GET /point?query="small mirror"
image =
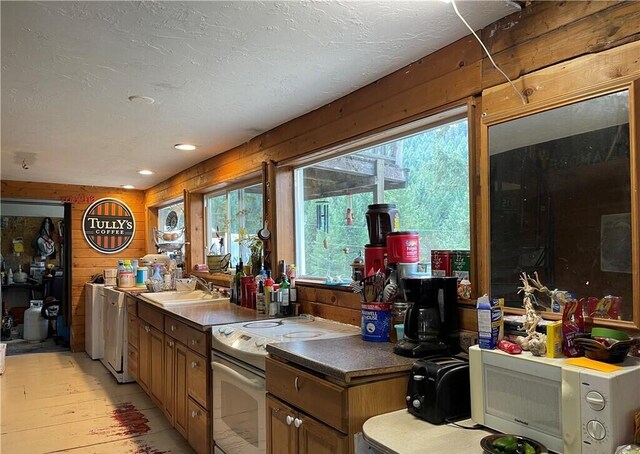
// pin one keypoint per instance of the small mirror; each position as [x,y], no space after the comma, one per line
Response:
[560,198]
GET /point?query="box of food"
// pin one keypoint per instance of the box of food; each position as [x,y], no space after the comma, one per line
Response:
[440,263]
[461,265]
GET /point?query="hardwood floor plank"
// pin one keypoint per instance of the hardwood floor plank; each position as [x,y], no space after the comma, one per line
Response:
[66,402]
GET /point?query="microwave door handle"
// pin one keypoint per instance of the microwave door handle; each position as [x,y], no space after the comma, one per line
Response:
[221,368]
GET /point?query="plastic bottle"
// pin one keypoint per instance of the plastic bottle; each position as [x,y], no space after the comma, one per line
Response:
[268,288]
[125,277]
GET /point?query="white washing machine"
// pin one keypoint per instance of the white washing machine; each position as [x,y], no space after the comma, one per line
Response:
[93,330]
[115,335]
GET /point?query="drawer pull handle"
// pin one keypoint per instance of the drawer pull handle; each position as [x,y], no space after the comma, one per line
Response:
[170,343]
[297,422]
[146,328]
[296,383]
[289,420]
[194,342]
[194,364]
[194,413]
[173,327]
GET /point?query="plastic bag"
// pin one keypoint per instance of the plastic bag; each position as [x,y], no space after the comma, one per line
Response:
[628,449]
[572,325]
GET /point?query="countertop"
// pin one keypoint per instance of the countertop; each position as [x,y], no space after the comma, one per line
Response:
[203,316]
[344,358]
[402,433]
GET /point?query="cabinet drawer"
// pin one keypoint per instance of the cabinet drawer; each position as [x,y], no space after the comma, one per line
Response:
[152,316]
[132,330]
[197,367]
[198,428]
[302,390]
[191,337]
[132,361]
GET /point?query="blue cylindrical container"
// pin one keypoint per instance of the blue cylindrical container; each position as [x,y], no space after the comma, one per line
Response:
[141,276]
[376,321]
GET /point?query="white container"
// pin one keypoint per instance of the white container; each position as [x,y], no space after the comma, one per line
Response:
[36,327]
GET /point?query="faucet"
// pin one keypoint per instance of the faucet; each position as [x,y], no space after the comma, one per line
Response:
[204,284]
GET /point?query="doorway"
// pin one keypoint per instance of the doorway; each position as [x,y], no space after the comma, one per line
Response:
[35,256]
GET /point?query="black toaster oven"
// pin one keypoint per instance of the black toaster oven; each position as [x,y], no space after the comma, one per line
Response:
[438,390]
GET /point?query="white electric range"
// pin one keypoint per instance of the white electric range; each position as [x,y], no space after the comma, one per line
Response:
[239,352]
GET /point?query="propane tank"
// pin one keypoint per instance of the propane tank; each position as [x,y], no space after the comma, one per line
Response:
[36,327]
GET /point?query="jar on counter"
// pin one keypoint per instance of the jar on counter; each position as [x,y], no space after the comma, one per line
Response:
[397,314]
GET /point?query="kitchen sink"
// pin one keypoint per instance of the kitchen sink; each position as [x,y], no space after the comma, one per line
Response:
[174,298]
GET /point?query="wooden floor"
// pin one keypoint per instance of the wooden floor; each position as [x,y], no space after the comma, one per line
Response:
[65,402]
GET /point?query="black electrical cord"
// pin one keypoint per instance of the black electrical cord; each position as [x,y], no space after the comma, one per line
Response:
[474,427]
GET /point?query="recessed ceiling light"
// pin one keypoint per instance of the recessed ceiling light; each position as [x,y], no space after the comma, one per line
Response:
[138,99]
[145,172]
[184,147]
[128,186]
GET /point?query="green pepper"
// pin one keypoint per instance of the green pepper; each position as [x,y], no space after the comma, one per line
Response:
[506,444]
[528,449]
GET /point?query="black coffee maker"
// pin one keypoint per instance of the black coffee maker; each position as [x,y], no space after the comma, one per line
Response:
[431,321]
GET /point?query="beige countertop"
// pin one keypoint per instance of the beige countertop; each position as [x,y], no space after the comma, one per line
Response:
[400,432]
[203,316]
[344,358]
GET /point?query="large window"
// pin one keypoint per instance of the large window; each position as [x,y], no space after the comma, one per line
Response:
[233,220]
[425,173]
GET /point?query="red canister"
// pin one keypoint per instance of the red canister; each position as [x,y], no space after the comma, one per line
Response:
[374,259]
[403,247]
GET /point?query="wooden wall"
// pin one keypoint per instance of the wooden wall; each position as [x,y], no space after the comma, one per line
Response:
[566,45]
[85,261]
[548,48]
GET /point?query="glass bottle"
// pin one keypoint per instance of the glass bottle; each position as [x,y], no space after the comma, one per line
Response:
[285,306]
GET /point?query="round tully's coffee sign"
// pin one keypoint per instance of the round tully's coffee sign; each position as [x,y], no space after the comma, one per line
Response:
[108,225]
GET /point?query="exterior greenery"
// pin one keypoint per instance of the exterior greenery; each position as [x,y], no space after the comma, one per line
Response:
[435,203]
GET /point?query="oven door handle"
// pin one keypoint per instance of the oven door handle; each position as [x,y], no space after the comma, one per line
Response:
[221,368]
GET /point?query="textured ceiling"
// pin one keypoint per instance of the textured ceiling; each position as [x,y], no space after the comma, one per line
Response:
[220,73]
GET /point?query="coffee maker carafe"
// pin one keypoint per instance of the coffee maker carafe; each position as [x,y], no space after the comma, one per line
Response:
[431,321]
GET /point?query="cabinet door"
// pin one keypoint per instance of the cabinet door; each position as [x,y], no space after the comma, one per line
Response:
[144,355]
[169,378]
[282,436]
[180,389]
[197,377]
[133,345]
[198,428]
[156,378]
[315,437]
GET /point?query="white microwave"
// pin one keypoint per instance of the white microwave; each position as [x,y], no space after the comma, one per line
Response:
[571,410]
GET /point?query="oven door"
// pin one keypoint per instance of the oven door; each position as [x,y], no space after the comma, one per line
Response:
[238,406]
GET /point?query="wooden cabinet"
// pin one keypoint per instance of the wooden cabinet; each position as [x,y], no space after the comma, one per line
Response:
[133,344]
[293,432]
[180,389]
[308,413]
[189,377]
[198,427]
[172,367]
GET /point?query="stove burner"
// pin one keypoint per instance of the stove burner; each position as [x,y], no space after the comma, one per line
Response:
[303,334]
[265,324]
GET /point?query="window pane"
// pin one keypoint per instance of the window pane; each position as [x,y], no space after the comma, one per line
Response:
[425,174]
[238,215]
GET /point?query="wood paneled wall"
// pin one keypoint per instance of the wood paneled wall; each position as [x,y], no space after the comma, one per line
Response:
[548,47]
[588,42]
[85,261]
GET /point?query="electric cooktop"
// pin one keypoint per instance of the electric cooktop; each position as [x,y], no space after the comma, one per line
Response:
[247,341]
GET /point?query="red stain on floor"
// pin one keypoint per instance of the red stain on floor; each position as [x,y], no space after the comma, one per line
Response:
[149,450]
[130,420]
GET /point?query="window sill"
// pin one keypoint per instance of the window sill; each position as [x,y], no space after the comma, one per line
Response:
[317,283]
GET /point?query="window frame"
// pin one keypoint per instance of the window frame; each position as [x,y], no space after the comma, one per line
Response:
[430,120]
[208,229]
